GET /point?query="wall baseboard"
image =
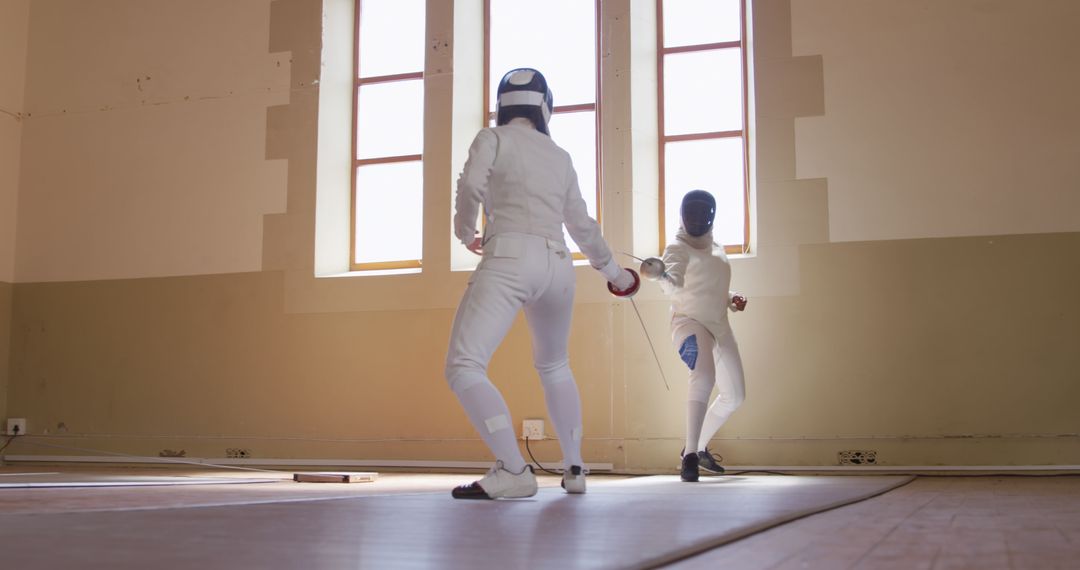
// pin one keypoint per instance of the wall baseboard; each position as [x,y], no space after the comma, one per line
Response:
[212,461]
[595,467]
[904,468]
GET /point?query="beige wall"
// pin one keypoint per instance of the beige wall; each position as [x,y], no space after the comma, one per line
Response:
[13,32]
[943,118]
[5,346]
[14,16]
[951,350]
[143,147]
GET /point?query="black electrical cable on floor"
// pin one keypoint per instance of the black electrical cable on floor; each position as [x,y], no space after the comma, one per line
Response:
[541,467]
[8,442]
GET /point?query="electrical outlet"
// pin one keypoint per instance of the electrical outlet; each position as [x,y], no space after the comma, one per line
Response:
[532,429]
[858,457]
[13,423]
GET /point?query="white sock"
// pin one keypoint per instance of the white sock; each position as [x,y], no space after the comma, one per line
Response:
[564,407]
[719,412]
[489,415]
[695,415]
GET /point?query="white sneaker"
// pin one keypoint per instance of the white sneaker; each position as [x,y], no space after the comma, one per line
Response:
[500,483]
[573,480]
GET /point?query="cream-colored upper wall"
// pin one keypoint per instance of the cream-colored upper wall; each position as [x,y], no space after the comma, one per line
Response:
[14,16]
[144,143]
[943,118]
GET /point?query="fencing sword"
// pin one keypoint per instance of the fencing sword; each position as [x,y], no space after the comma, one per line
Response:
[646,331]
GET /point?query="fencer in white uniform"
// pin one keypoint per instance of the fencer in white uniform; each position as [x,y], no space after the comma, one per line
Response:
[696,274]
[528,189]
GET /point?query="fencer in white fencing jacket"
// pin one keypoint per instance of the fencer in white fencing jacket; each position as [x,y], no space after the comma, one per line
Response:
[698,279]
[527,184]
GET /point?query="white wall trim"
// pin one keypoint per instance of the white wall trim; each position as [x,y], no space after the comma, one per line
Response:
[433,464]
[213,461]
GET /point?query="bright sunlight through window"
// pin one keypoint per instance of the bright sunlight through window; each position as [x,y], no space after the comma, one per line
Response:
[703,114]
[558,38]
[388,136]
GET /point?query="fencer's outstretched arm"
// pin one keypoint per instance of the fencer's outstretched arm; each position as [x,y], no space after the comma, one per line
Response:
[676,258]
[472,185]
[586,233]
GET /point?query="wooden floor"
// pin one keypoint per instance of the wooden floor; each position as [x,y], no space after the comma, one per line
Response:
[935,522]
[981,523]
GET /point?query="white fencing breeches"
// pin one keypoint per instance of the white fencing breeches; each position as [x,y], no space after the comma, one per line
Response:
[519,271]
[713,359]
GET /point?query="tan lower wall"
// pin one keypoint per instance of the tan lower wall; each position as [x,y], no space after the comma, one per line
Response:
[5,346]
[952,351]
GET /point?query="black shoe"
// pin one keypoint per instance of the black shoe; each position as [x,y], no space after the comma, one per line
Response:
[689,468]
[575,476]
[710,462]
[471,491]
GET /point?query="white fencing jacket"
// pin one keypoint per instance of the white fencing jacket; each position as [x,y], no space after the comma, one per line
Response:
[527,184]
[698,278]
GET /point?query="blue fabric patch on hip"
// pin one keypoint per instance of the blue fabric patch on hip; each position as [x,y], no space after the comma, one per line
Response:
[688,351]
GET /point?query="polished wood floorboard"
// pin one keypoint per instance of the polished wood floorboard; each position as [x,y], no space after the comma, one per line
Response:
[400,521]
[75,499]
[984,523]
[933,522]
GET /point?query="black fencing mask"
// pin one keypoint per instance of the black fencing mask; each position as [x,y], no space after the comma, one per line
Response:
[698,210]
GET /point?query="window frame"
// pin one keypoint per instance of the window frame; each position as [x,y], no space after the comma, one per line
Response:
[358,82]
[663,139]
[489,113]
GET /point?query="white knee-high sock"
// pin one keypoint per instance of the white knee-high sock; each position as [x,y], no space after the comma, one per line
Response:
[695,415]
[731,388]
[718,413]
[489,415]
[564,407]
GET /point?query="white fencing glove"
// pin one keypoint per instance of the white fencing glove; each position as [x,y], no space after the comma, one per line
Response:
[625,284]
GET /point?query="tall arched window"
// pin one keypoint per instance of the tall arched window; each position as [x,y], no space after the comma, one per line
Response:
[702,72]
[388,135]
[560,39]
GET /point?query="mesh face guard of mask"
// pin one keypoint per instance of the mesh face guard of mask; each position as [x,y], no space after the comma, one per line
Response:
[698,210]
